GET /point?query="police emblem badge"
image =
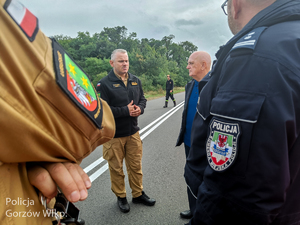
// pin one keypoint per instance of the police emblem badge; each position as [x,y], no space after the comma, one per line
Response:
[221,146]
[75,83]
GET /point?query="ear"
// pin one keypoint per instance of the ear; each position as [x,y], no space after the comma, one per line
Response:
[236,8]
[203,65]
[111,63]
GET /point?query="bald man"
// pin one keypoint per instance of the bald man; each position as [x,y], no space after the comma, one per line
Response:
[243,165]
[199,64]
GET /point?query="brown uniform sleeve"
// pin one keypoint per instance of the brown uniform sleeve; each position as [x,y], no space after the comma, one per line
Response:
[38,120]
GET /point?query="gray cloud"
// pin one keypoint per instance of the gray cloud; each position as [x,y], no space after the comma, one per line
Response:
[200,22]
[183,22]
[161,30]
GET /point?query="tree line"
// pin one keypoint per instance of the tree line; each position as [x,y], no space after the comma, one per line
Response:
[149,59]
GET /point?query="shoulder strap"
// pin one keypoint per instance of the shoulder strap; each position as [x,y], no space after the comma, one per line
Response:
[249,40]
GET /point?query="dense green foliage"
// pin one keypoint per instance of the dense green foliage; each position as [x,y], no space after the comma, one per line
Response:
[151,60]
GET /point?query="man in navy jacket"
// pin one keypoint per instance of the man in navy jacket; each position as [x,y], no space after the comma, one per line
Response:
[199,64]
[243,166]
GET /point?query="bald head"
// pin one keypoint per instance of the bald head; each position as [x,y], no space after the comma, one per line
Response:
[199,65]
[240,12]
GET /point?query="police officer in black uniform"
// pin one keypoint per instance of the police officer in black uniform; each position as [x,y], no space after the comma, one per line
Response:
[243,166]
[169,91]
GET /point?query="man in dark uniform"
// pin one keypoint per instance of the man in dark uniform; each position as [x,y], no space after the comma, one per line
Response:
[199,64]
[243,166]
[169,91]
[124,94]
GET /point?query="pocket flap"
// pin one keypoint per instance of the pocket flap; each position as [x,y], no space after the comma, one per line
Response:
[241,106]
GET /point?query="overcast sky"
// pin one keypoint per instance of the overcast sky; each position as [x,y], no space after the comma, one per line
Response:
[201,22]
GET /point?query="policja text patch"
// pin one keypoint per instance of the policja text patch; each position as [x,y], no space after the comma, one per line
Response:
[221,145]
[75,83]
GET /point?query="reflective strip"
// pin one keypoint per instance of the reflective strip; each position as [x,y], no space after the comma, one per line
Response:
[244,43]
[200,115]
[192,192]
[233,118]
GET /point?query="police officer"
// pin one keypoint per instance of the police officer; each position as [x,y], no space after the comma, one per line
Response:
[45,130]
[243,166]
[124,94]
[169,91]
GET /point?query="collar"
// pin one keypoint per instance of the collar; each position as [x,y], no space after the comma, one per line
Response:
[119,77]
[114,77]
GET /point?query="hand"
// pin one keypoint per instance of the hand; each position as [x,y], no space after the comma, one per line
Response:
[136,112]
[130,107]
[69,177]
[171,91]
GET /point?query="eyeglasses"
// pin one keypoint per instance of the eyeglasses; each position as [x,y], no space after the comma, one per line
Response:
[224,7]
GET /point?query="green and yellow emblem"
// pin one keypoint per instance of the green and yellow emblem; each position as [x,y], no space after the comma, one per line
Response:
[76,84]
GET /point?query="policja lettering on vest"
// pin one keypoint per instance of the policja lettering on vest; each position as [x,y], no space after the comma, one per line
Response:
[225,128]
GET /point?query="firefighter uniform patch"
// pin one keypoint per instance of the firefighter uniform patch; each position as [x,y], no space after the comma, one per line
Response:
[75,83]
[221,146]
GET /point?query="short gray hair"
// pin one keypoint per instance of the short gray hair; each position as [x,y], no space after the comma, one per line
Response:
[113,54]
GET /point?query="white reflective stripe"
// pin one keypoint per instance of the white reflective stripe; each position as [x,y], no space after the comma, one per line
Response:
[233,118]
[252,42]
[17,11]
[192,192]
[200,115]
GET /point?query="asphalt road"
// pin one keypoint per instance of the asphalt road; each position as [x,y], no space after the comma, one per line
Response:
[163,166]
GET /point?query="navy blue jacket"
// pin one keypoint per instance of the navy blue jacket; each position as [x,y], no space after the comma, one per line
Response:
[118,96]
[188,90]
[244,162]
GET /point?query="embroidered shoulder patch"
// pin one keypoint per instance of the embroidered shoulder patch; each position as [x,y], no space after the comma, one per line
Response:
[249,40]
[27,22]
[134,83]
[75,83]
[221,145]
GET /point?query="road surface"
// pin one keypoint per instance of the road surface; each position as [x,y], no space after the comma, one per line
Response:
[163,167]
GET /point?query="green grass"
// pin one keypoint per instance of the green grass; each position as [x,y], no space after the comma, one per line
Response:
[161,93]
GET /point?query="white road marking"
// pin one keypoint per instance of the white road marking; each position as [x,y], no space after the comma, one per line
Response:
[152,125]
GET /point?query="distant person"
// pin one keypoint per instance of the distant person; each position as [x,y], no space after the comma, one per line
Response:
[243,167]
[124,94]
[45,130]
[169,91]
[199,64]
